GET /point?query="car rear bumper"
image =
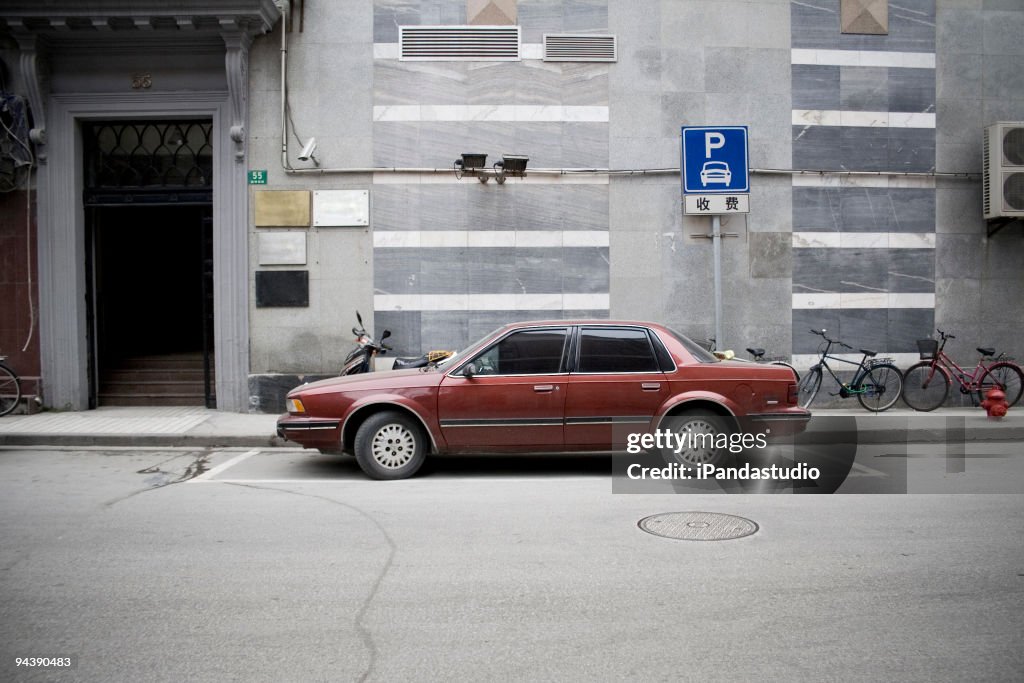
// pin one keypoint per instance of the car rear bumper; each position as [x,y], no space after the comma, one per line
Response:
[785,423]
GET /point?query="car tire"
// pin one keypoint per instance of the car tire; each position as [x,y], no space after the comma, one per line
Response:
[390,445]
[698,422]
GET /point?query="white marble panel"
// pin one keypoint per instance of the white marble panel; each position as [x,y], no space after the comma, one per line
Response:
[491,302]
[908,300]
[912,240]
[816,300]
[538,238]
[869,58]
[815,240]
[864,300]
[491,112]
[491,238]
[864,240]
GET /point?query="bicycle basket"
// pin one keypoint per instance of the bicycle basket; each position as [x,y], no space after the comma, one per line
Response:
[927,348]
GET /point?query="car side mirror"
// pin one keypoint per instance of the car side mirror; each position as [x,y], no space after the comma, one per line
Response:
[386,334]
[469,370]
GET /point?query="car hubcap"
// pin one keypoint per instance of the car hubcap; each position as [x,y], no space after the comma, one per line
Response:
[393,446]
[698,442]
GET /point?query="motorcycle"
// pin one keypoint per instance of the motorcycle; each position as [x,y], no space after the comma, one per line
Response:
[360,359]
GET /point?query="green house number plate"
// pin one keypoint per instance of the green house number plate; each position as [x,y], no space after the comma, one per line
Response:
[258,177]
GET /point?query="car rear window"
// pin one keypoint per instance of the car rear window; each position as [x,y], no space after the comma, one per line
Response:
[616,350]
[699,353]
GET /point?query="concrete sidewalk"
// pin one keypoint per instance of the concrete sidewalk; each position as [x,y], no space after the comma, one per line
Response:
[199,427]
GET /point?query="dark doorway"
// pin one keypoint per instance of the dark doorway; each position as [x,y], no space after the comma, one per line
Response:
[152,305]
[148,199]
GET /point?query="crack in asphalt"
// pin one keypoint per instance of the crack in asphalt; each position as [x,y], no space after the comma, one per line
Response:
[364,633]
[199,465]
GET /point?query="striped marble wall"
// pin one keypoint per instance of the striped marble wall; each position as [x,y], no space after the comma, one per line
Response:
[863,246]
[455,259]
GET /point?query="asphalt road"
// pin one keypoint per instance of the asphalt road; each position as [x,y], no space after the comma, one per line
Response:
[280,565]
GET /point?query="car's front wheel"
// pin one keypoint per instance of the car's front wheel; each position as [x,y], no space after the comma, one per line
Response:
[390,445]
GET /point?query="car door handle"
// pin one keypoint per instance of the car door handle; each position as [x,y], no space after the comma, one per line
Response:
[543,388]
[650,386]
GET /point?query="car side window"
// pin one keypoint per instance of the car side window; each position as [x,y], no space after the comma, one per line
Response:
[528,352]
[616,350]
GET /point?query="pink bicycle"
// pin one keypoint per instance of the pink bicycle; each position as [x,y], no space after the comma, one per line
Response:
[926,384]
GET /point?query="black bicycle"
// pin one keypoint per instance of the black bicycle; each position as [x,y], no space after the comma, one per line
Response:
[877,384]
[10,388]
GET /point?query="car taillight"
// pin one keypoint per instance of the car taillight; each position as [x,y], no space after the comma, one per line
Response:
[792,395]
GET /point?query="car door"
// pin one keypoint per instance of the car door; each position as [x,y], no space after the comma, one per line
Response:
[616,385]
[510,396]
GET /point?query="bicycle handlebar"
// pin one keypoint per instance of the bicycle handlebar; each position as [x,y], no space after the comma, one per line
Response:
[944,334]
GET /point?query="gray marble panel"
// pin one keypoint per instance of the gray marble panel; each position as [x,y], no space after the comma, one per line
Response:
[537,17]
[442,13]
[906,326]
[585,270]
[395,207]
[585,207]
[405,330]
[397,271]
[539,270]
[817,208]
[585,145]
[489,207]
[539,207]
[815,24]
[914,209]
[444,330]
[396,143]
[961,31]
[442,207]
[959,255]
[491,82]
[912,90]
[493,271]
[864,328]
[817,147]
[1003,78]
[396,82]
[388,15]
[863,89]
[816,87]
[584,84]
[911,149]
[911,26]
[442,271]
[864,149]
[840,270]
[537,83]
[807,319]
[1003,31]
[584,16]
[542,142]
[866,209]
[911,270]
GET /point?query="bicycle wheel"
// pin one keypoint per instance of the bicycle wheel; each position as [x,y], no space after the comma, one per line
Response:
[1006,376]
[880,387]
[784,363]
[925,388]
[808,387]
[10,390]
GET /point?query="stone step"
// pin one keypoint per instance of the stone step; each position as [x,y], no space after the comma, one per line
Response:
[152,399]
[152,387]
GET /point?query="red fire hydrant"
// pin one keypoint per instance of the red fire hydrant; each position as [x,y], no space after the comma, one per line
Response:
[995,403]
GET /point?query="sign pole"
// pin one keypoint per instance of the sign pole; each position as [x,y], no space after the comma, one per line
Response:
[716,236]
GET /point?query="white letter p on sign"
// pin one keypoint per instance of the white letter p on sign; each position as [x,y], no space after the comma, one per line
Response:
[713,141]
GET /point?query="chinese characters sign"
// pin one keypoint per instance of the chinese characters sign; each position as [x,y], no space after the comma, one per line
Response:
[715,170]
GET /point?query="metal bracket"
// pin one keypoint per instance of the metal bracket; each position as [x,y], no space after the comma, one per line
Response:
[997,224]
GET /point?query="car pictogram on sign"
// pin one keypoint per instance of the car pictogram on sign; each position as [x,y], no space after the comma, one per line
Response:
[715,172]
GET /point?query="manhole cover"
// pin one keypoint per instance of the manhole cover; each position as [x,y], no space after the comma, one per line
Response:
[698,526]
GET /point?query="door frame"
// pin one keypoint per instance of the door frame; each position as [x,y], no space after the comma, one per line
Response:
[63,324]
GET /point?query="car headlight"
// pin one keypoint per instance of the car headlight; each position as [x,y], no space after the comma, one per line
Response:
[295,405]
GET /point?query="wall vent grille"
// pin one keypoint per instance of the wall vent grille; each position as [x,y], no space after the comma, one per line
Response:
[458,43]
[579,47]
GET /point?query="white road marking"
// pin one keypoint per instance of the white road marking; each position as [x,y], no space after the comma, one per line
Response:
[223,466]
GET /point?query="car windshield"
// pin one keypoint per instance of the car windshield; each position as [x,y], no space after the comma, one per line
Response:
[461,354]
[699,353]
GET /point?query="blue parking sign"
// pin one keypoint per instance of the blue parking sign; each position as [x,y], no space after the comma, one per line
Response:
[715,159]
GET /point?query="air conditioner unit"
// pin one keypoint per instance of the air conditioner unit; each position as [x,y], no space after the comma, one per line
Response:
[1002,180]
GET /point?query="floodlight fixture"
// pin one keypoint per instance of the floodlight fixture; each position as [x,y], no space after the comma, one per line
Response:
[511,165]
[470,163]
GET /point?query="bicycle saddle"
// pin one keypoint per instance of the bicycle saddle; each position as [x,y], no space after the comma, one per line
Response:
[986,351]
[869,353]
[756,353]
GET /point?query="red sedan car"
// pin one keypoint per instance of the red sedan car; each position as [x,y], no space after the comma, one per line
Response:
[550,386]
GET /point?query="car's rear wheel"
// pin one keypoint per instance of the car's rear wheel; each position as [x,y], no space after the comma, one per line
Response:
[699,438]
[390,445]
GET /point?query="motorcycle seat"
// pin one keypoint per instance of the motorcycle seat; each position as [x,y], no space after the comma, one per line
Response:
[409,362]
[986,351]
[869,353]
[756,353]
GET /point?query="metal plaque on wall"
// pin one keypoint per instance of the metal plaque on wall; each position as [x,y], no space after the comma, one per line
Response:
[282,248]
[341,208]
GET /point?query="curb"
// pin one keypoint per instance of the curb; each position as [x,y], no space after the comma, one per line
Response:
[145,441]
